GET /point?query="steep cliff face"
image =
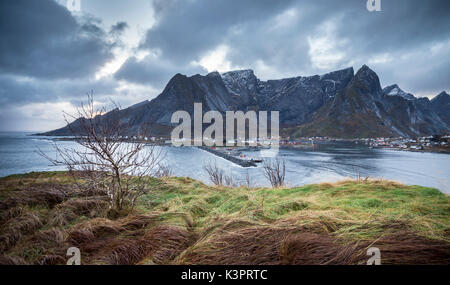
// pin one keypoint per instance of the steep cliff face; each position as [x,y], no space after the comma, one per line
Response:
[363,109]
[337,104]
[356,111]
[298,99]
[295,98]
[441,106]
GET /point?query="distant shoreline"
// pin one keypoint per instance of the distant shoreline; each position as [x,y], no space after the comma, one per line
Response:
[441,150]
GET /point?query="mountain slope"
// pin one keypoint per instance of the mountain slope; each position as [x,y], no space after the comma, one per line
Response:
[363,109]
[441,106]
[354,112]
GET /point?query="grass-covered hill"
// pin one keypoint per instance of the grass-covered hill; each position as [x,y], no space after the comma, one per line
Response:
[182,221]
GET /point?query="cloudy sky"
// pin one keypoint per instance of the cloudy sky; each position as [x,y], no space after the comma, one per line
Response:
[127,50]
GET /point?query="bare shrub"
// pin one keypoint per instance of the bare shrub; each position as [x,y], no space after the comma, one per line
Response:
[248,181]
[164,171]
[218,176]
[113,156]
[229,180]
[215,173]
[275,171]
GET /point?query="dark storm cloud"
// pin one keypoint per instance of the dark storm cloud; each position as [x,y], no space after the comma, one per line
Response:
[15,91]
[186,29]
[119,28]
[42,39]
[48,55]
[287,38]
[153,71]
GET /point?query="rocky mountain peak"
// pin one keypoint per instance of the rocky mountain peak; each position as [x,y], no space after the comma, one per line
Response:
[443,96]
[242,84]
[395,90]
[213,74]
[343,74]
[244,73]
[239,77]
[368,80]
[441,105]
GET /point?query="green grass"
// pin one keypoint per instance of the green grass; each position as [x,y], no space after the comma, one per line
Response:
[361,209]
[350,211]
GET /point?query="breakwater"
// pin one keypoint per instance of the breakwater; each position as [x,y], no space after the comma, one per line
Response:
[238,161]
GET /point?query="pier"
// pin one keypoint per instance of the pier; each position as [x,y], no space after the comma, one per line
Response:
[238,161]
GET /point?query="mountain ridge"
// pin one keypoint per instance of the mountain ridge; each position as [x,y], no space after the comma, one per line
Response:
[336,104]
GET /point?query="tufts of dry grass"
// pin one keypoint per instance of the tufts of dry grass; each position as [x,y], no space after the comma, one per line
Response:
[16,229]
[270,245]
[405,248]
[10,213]
[70,210]
[166,243]
[182,221]
[36,195]
[11,260]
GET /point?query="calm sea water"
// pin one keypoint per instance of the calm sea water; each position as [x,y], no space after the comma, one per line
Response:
[327,163]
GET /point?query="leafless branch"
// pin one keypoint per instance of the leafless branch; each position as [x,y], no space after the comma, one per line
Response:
[248,182]
[275,171]
[217,175]
[111,157]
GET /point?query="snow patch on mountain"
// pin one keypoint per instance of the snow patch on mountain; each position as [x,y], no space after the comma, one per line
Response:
[394,90]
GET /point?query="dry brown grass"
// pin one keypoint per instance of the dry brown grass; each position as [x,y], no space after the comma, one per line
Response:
[409,248]
[10,213]
[16,229]
[129,240]
[270,245]
[45,247]
[185,222]
[273,245]
[42,194]
[124,251]
[11,260]
[166,242]
[69,210]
